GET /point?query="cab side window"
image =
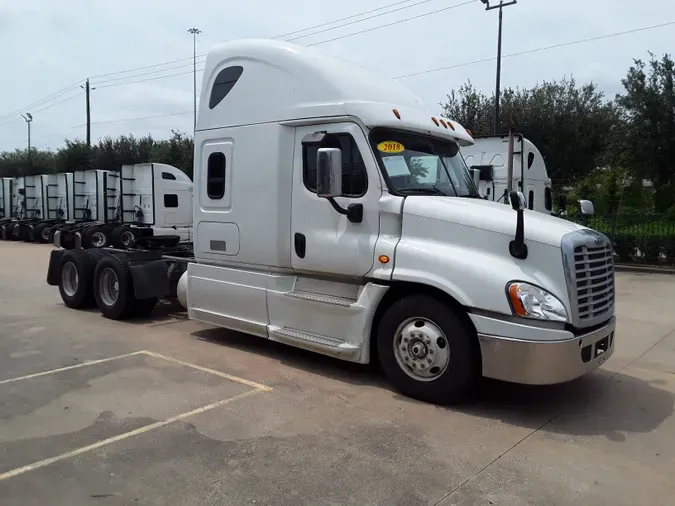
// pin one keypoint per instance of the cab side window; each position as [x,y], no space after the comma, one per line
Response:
[354,178]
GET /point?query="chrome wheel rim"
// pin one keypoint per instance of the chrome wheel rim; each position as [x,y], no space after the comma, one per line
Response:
[109,287]
[127,237]
[98,239]
[421,349]
[69,279]
[45,234]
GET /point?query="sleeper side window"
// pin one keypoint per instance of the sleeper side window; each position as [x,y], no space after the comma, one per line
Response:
[354,178]
[168,176]
[215,176]
[170,200]
[223,84]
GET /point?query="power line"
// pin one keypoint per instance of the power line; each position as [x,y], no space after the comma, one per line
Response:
[105,81]
[538,49]
[125,120]
[313,44]
[361,20]
[436,11]
[42,100]
[142,68]
[10,119]
[149,79]
[140,118]
[341,19]
[275,37]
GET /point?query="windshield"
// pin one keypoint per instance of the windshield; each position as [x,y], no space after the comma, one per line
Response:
[417,164]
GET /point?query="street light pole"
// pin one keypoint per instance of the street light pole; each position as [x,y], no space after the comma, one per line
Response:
[28,117]
[194,32]
[489,7]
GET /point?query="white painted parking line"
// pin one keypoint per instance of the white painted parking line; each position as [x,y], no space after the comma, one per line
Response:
[70,367]
[230,377]
[237,379]
[126,435]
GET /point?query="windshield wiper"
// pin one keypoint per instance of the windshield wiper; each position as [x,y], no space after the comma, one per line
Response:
[422,191]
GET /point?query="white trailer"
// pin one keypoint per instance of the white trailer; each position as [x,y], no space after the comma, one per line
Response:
[490,154]
[317,225]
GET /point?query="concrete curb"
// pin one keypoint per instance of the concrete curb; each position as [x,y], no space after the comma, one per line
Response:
[645,269]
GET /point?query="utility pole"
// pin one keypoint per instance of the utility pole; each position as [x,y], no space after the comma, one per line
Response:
[29,118]
[489,7]
[194,32]
[86,94]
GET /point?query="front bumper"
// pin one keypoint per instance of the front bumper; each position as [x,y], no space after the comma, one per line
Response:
[545,362]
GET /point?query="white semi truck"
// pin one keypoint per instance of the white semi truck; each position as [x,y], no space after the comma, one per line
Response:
[316,224]
[489,156]
[115,208]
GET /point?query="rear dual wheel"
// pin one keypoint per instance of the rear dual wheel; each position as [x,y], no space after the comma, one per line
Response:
[114,290]
[97,278]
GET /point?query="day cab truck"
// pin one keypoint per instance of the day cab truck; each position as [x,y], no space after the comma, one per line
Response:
[316,225]
[489,156]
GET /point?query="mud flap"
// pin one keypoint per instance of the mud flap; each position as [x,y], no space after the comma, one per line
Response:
[53,271]
[150,279]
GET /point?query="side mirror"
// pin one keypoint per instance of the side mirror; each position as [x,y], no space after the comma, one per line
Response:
[562,203]
[475,174]
[329,172]
[586,207]
[518,201]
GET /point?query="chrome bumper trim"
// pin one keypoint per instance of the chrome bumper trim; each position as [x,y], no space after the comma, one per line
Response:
[546,362]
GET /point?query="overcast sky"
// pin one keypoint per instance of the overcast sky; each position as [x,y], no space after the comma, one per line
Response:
[48,45]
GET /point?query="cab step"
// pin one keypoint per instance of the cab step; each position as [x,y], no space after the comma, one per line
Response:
[322,298]
[314,342]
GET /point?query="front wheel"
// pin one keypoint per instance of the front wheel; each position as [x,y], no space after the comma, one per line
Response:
[426,351]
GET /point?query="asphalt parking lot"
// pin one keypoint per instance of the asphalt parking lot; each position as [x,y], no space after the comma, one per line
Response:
[167,411]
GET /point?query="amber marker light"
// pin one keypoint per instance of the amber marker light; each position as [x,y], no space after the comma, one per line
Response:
[384,259]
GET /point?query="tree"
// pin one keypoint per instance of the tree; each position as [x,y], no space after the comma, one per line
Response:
[647,140]
[571,125]
[107,154]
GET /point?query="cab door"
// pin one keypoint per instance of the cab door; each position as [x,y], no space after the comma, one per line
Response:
[323,240]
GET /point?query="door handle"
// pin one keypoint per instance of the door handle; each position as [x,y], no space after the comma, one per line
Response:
[300,244]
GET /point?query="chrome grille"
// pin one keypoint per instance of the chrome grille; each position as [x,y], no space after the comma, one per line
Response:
[594,273]
[589,272]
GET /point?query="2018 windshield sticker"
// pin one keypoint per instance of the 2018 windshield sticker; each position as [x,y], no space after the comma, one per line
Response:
[390,147]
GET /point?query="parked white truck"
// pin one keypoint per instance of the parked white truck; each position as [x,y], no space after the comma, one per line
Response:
[317,224]
[489,155]
[115,208]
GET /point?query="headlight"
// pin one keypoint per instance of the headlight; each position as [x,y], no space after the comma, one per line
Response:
[530,301]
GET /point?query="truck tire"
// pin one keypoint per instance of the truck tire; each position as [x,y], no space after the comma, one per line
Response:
[15,232]
[41,233]
[426,351]
[114,288]
[3,232]
[76,270]
[123,237]
[95,237]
